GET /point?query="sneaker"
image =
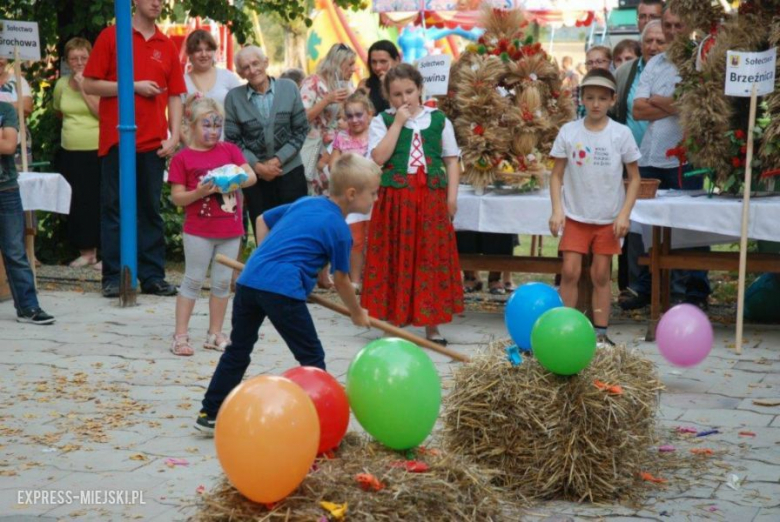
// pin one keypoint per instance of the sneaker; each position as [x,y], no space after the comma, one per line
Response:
[205,423]
[34,316]
[602,341]
[111,291]
[636,302]
[162,288]
[216,341]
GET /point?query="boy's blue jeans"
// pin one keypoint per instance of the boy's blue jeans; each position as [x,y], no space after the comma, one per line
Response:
[691,283]
[17,266]
[291,319]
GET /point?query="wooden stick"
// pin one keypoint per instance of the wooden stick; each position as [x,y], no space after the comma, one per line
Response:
[376,323]
[745,218]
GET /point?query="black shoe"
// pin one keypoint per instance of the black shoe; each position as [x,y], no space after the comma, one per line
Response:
[205,423]
[163,288]
[110,291]
[636,302]
[34,316]
[700,301]
[602,341]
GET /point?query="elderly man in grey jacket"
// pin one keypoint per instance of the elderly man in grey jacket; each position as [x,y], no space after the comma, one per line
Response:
[266,119]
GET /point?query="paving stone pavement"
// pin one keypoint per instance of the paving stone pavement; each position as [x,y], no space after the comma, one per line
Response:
[96,402]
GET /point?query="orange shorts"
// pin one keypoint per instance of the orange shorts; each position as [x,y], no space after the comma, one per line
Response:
[585,238]
[359,233]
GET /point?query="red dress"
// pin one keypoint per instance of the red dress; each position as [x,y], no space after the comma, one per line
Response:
[412,271]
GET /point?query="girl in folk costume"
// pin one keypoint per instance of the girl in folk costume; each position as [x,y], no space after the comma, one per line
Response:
[412,272]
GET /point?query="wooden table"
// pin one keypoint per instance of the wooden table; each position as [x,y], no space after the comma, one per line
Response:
[696,219]
[702,215]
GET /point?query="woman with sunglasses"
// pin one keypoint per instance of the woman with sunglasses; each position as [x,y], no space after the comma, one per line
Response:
[78,160]
[323,93]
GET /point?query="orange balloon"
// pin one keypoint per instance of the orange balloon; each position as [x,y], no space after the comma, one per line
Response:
[267,435]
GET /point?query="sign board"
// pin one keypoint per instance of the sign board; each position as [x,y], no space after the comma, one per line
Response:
[22,35]
[744,69]
[435,70]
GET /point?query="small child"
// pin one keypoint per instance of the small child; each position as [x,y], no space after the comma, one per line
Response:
[17,266]
[213,222]
[295,244]
[358,112]
[589,158]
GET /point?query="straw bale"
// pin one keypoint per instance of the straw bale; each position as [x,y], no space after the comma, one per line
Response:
[555,437]
[453,489]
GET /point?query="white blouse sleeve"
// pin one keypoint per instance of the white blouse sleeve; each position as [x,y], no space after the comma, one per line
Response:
[449,145]
[376,131]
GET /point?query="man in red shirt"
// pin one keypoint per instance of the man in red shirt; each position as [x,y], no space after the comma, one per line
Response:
[158,84]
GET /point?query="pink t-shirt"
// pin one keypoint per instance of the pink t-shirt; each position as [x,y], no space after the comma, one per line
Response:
[345,142]
[217,215]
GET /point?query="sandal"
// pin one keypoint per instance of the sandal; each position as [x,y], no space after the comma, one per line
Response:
[81,262]
[509,286]
[181,345]
[497,288]
[471,285]
[216,341]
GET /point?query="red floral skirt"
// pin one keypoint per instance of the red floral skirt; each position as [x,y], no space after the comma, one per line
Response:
[412,271]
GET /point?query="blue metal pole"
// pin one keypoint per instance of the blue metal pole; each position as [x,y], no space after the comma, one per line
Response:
[128,240]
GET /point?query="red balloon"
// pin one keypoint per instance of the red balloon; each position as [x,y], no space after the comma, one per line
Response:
[329,400]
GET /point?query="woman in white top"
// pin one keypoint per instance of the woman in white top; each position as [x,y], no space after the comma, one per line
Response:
[204,76]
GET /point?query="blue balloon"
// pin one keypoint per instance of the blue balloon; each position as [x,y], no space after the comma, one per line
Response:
[525,306]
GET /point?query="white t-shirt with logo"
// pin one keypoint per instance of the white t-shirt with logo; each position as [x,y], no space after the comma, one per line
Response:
[593,180]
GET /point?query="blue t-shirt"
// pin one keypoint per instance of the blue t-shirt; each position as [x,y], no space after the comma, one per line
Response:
[304,236]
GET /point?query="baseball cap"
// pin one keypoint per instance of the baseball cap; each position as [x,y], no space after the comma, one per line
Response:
[598,81]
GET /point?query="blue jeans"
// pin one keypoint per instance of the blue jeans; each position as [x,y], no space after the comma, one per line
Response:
[17,267]
[151,239]
[690,283]
[291,319]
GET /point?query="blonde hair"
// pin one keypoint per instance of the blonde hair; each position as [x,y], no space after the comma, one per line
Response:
[195,106]
[329,68]
[76,43]
[359,97]
[352,171]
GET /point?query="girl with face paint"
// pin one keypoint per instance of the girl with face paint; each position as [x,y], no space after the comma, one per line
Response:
[213,222]
[358,111]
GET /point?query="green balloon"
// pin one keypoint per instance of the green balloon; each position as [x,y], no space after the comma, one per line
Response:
[563,341]
[395,392]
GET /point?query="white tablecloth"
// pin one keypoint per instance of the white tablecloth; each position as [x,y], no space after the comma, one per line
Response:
[44,191]
[716,216]
[696,220]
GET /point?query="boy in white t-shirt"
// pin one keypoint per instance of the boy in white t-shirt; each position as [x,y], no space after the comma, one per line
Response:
[594,212]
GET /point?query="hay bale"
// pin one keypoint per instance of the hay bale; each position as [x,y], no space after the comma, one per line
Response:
[554,437]
[453,489]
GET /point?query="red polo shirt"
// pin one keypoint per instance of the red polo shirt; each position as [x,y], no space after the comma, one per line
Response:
[154,59]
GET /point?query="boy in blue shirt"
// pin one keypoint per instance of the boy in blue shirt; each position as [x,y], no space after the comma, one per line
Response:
[17,266]
[296,242]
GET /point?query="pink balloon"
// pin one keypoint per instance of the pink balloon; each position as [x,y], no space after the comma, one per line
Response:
[684,335]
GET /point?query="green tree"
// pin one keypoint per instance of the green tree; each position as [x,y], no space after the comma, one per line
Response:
[60,20]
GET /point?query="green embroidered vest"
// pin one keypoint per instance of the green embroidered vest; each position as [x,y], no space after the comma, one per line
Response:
[394,171]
